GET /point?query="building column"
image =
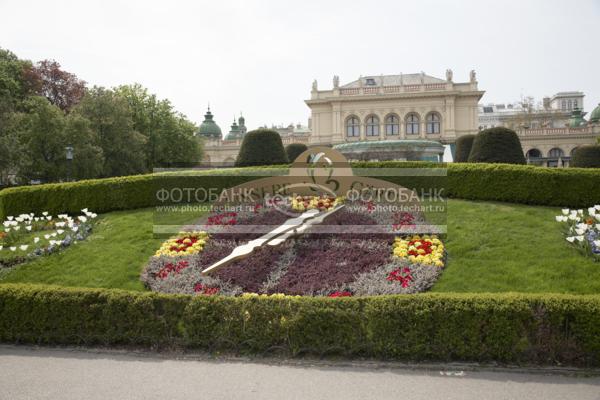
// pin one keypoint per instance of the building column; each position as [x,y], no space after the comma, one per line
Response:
[422,128]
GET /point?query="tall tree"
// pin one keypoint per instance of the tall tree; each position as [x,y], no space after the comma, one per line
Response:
[61,88]
[110,118]
[88,157]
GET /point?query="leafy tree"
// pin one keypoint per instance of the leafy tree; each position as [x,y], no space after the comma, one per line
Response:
[261,147]
[61,88]
[88,157]
[40,129]
[463,148]
[586,157]
[293,150]
[110,119]
[497,145]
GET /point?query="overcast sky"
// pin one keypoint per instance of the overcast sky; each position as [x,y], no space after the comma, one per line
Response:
[260,57]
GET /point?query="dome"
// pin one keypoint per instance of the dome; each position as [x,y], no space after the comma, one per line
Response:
[387,150]
[234,133]
[595,115]
[576,120]
[209,128]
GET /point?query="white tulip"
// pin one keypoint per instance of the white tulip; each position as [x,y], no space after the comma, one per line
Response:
[558,218]
[49,217]
[10,218]
[75,229]
[52,242]
[592,211]
[60,224]
[62,216]
[597,207]
[94,215]
[6,223]
[16,228]
[579,238]
[565,211]
[60,231]
[597,243]
[36,239]
[13,248]
[580,231]
[46,237]
[570,239]
[45,213]
[24,247]
[572,217]
[7,230]
[53,234]
[36,219]
[19,219]
[82,218]
[85,210]
[28,227]
[598,227]
[1,247]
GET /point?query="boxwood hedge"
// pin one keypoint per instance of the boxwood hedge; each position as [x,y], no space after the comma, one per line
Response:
[512,328]
[569,187]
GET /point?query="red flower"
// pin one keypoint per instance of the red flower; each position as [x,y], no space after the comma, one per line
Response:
[208,291]
[345,293]
[164,272]
[401,275]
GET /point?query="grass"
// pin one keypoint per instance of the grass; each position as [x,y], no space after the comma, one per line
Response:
[493,247]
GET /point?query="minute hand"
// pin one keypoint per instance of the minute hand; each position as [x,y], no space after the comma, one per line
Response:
[247,249]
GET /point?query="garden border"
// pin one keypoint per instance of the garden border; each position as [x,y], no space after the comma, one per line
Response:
[513,328]
[569,187]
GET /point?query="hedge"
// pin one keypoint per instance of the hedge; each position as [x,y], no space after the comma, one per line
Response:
[512,328]
[586,157]
[559,187]
[497,145]
[261,147]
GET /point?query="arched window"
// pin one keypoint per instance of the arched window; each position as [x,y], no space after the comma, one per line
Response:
[570,105]
[372,126]
[352,127]
[433,123]
[575,104]
[573,151]
[534,153]
[556,153]
[412,124]
[392,125]
[563,105]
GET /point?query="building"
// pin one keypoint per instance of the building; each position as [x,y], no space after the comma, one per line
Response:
[392,107]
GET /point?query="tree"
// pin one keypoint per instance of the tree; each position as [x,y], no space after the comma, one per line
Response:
[293,150]
[88,157]
[463,148]
[261,147]
[497,145]
[110,119]
[40,129]
[586,157]
[61,88]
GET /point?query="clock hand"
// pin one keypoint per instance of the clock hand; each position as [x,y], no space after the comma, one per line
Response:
[246,249]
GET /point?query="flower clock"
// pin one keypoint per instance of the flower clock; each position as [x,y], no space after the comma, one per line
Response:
[420,249]
[184,244]
[581,228]
[303,203]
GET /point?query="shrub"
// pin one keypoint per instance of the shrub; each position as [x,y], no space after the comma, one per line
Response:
[261,147]
[497,145]
[586,157]
[463,148]
[516,328]
[294,150]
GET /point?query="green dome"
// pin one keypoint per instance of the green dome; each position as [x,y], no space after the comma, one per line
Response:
[423,150]
[595,115]
[209,128]
[234,133]
[576,120]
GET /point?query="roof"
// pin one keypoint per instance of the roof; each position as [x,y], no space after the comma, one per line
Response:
[209,128]
[394,80]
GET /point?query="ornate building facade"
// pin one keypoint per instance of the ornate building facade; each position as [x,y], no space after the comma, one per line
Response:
[392,107]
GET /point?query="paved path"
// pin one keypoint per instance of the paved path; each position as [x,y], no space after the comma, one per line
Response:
[28,373]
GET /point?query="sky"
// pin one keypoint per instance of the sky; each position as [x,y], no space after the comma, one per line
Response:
[260,57]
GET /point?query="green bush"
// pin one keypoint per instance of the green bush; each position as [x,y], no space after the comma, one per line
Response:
[586,157]
[294,150]
[543,329]
[568,187]
[497,145]
[261,147]
[463,148]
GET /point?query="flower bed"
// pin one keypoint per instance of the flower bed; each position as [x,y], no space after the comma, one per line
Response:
[340,260]
[582,229]
[27,236]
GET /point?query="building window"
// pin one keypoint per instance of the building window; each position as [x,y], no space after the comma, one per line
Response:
[433,123]
[575,104]
[372,126]
[555,153]
[392,125]
[570,105]
[564,104]
[352,127]
[534,153]
[370,82]
[412,124]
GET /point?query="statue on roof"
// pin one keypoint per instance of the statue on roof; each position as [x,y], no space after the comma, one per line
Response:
[449,75]
[336,81]
[473,76]
[422,77]
[314,85]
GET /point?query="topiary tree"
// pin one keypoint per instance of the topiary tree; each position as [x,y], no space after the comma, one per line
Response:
[463,148]
[497,145]
[586,157]
[261,147]
[294,150]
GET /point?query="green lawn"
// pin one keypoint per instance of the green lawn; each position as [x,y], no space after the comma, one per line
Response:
[493,247]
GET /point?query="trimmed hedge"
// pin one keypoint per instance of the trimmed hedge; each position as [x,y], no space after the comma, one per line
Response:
[563,187]
[586,157]
[497,145]
[293,150]
[261,147]
[464,144]
[515,328]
